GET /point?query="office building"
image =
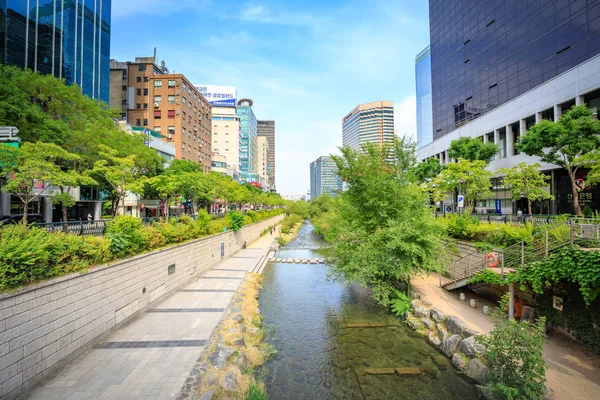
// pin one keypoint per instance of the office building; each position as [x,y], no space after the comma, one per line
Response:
[424,110]
[225,124]
[324,178]
[369,123]
[151,97]
[498,68]
[267,129]
[263,155]
[69,39]
[219,164]
[248,145]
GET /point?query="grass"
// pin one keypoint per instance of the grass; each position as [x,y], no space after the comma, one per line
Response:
[255,392]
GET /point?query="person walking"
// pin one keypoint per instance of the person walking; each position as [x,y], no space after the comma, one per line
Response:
[271,231]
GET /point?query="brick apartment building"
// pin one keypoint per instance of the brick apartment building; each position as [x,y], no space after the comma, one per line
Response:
[149,96]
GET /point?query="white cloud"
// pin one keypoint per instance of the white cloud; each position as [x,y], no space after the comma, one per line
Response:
[259,13]
[405,117]
[125,8]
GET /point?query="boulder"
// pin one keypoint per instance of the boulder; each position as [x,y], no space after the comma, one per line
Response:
[236,309]
[211,380]
[241,361]
[476,370]
[437,315]
[219,357]
[240,342]
[443,334]
[455,325]
[233,331]
[470,332]
[434,339]
[421,312]
[429,324]
[229,381]
[254,330]
[238,318]
[416,303]
[450,345]
[207,395]
[470,347]
[485,393]
[459,361]
[414,324]
[243,328]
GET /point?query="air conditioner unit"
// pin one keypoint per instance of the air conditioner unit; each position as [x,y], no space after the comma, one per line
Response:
[177,93]
[177,84]
[169,136]
[177,112]
[177,102]
[156,105]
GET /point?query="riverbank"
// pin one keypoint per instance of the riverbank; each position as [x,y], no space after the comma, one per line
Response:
[573,372]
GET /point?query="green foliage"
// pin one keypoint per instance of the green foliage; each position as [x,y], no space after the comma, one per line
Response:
[526,181]
[299,207]
[236,220]
[472,149]
[120,245]
[489,277]
[565,143]
[427,170]
[255,392]
[469,178]
[384,229]
[289,222]
[513,354]
[401,303]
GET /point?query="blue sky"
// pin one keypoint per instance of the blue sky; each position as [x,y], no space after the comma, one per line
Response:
[305,64]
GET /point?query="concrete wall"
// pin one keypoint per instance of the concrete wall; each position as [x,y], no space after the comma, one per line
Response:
[45,326]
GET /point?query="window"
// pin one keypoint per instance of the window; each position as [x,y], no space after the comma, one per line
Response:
[171,99]
[171,114]
[145,122]
[146,79]
[157,114]
[195,96]
[138,122]
[124,88]
[183,100]
[182,132]
[158,99]
[142,67]
[145,92]
[124,102]
[138,92]
[158,83]
[157,129]
[171,130]
[145,105]
[184,86]
[171,84]
[138,79]
[138,105]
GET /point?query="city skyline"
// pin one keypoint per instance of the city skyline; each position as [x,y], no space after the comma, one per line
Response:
[306,90]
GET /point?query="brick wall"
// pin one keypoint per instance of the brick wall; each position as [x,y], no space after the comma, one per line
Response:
[45,326]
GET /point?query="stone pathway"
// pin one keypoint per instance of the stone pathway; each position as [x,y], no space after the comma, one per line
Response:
[151,357]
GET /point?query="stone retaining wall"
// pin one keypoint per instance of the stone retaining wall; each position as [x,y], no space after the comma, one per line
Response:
[45,326]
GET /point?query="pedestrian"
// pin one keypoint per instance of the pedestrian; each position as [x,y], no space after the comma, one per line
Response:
[271,231]
[90,217]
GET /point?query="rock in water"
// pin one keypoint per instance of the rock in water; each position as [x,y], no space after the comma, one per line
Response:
[476,370]
[455,325]
[450,345]
[459,361]
[229,381]
[421,312]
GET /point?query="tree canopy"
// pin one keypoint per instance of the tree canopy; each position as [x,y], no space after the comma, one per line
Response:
[472,149]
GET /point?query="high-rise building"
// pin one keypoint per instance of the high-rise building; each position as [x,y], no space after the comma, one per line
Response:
[498,68]
[69,39]
[225,124]
[267,129]
[424,110]
[169,104]
[369,123]
[248,145]
[263,160]
[324,178]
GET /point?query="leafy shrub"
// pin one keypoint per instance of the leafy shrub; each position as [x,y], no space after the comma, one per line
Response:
[217,226]
[516,369]
[131,230]
[119,243]
[401,303]
[235,220]
[289,222]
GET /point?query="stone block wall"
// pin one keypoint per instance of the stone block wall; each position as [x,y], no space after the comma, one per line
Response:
[45,326]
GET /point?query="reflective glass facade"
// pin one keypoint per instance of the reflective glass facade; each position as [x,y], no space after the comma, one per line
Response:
[424,109]
[485,53]
[324,178]
[248,145]
[69,39]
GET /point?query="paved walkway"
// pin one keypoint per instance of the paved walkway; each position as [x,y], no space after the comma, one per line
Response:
[151,357]
[573,373]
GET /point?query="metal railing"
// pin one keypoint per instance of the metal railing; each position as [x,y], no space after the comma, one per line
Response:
[88,228]
[511,219]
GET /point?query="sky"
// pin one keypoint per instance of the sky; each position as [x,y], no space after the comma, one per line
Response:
[305,64]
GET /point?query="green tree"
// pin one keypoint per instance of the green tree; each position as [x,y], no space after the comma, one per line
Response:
[71,175]
[472,149]
[194,186]
[168,188]
[526,181]
[513,354]
[469,178]
[31,170]
[121,174]
[385,230]
[427,170]
[564,143]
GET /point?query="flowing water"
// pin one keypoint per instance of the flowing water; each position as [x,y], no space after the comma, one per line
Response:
[326,348]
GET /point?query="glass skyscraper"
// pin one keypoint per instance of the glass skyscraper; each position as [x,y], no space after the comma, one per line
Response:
[324,178]
[369,123]
[424,110]
[69,39]
[248,145]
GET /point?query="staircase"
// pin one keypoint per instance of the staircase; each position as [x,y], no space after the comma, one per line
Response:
[585,234]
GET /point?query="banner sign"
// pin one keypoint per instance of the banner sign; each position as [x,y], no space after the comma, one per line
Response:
[220,96]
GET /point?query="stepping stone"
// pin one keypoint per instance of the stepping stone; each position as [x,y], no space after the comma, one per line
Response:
[313,261]
[380,371]
[290,260]
[408,371]
[365,325]
[321,261]
[304,261]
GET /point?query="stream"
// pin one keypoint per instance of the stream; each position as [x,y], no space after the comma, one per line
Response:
[331,338]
